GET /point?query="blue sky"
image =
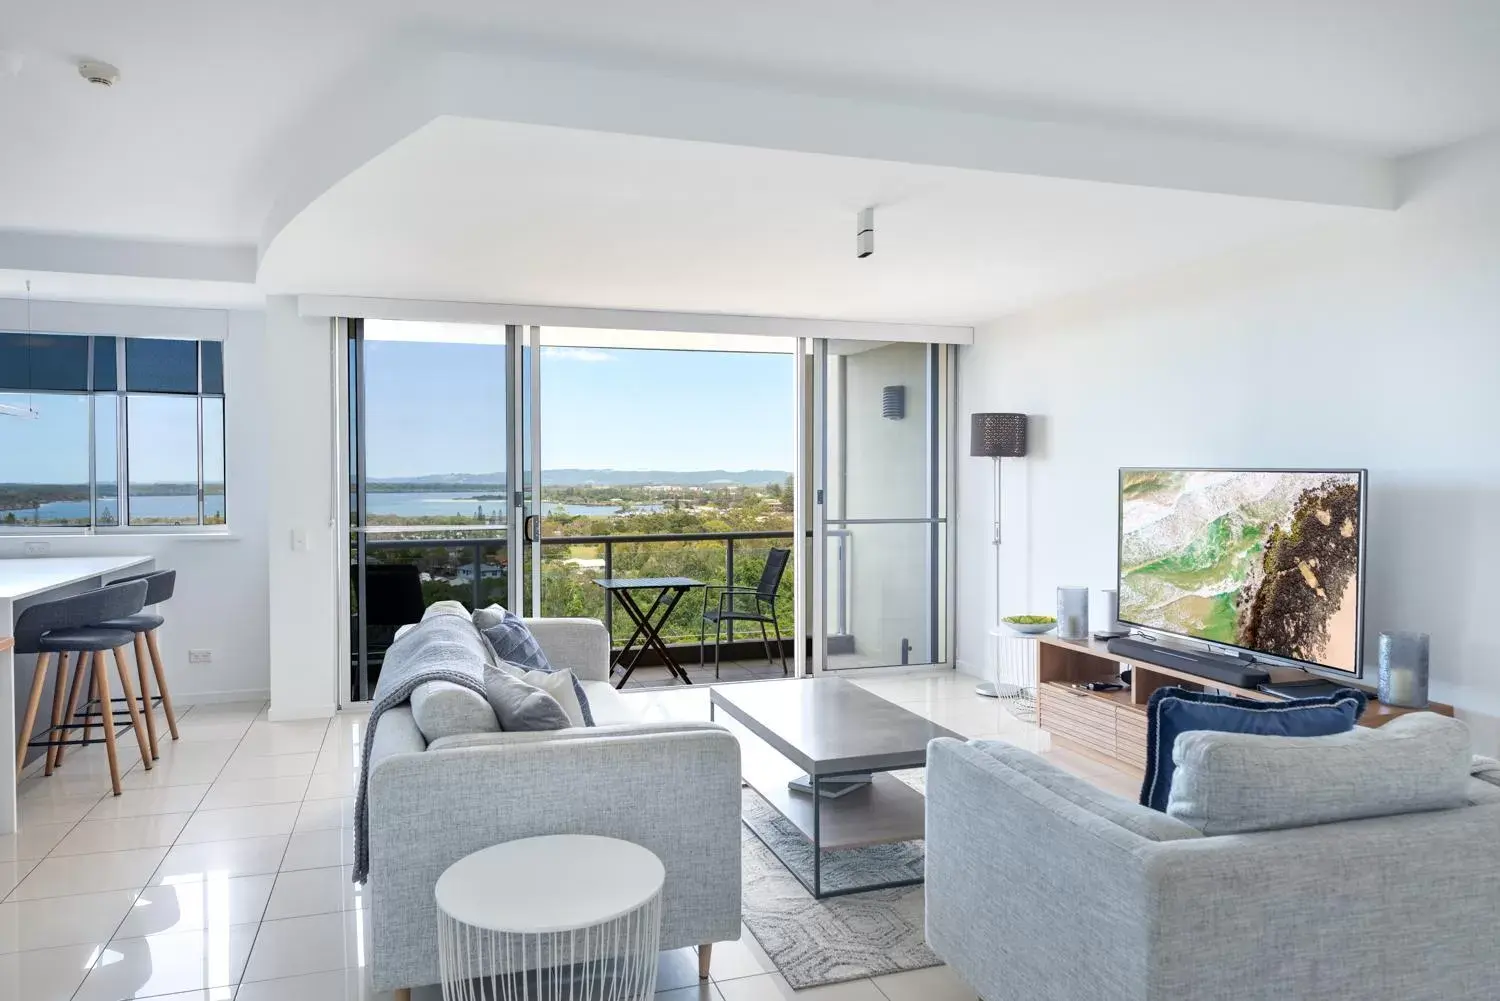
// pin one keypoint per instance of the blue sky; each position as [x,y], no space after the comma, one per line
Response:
[438,408]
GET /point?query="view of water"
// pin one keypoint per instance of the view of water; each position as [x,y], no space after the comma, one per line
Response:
[171,506]
[409,505]
[418,503]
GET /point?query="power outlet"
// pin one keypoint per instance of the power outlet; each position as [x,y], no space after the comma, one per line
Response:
[200,656]
[38,548]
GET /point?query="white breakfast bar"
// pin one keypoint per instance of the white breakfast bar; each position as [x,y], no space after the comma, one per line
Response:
[25,582]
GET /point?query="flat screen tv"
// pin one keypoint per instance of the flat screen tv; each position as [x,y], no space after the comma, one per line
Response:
[1269,561]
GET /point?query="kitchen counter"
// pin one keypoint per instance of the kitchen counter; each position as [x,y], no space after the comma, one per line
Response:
[25,582]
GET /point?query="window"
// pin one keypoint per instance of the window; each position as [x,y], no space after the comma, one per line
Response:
[110,432]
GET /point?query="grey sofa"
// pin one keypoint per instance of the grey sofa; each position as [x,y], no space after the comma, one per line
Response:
[1042,887]
[672,787]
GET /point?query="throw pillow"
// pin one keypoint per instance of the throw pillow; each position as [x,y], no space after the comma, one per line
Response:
[521,707]
[442,709]
[558,684]
[1172,711]
[1232,783]
[513,643]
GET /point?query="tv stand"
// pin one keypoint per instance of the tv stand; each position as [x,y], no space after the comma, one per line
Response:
[1113,724]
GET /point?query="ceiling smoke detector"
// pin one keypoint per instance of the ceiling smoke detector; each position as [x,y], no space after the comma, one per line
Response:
[103,74]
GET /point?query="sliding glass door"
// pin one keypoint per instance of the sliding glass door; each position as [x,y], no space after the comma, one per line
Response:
[435,479]
[881,428]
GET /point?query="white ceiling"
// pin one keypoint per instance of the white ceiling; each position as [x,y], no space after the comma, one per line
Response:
[489,211]
[187,147]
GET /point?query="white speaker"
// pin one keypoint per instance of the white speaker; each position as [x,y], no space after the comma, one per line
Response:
[1112,612]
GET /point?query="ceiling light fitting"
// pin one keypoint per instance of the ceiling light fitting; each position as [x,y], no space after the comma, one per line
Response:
[864,239]
[102,74]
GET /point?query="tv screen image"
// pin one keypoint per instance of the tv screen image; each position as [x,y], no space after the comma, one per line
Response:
[1265,560]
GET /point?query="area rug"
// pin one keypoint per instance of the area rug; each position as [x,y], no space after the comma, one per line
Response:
[817,942]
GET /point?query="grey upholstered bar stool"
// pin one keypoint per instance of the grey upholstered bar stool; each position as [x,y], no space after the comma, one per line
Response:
[143,625]
[71,625]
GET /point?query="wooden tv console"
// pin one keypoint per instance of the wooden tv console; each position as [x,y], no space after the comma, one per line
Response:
[1114,723]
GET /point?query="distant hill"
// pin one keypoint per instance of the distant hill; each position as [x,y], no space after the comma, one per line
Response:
[605,477]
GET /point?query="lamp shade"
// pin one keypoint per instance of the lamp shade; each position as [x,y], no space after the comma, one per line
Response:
[997,436]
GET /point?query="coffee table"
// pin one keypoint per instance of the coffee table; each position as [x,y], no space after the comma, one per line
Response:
[829,727]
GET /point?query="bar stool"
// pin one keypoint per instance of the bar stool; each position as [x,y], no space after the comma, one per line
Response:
[70,625]
[159,587]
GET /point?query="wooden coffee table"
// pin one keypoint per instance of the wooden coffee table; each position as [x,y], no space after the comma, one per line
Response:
[829,727]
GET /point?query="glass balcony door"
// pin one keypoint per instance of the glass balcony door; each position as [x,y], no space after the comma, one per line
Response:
[880,506]
[438,481]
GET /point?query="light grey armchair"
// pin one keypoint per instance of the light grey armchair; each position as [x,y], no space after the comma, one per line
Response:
[1044,888]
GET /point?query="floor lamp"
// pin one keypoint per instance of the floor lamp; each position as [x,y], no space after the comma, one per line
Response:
[996,436]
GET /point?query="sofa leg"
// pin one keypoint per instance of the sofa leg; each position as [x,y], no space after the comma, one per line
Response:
[705,956]
[401,994]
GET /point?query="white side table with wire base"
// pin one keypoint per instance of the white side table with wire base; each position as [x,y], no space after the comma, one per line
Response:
[567,917]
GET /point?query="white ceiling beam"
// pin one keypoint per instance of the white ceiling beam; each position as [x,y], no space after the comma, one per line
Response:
[642,102]
[497,314]
[61,253]
[384,102]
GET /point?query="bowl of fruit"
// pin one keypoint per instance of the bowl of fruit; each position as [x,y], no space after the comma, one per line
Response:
[1031,625]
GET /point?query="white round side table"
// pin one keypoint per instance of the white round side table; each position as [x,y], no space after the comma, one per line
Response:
[566,917]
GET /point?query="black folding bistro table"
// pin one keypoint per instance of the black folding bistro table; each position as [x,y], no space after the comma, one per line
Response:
[648,623]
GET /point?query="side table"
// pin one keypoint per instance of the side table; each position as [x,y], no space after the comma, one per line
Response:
[568,917]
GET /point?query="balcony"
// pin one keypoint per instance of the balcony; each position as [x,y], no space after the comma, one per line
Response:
[473,569]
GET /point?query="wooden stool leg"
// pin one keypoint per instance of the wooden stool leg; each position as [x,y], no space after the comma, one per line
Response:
[81,669]
[107,710]
[59,693]
[161,683]
[146,706]
[90,697]
[33,702]
[135,712]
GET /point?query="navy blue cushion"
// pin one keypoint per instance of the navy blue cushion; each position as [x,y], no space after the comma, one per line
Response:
[514,644]
[1176,710]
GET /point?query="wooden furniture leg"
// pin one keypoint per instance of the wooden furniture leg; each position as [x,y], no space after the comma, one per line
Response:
[33,702]
[705,956]
[59,696]
[107,711]
[135,712]
[401,994]
[161,683]
[146,706]
[90,697]
[74,691]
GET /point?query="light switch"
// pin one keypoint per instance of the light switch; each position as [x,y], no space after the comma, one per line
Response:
[299,540]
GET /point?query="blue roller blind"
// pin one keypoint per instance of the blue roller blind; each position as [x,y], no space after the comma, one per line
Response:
[153,366]
[38,362]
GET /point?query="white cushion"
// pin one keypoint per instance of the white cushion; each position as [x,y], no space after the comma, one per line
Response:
[558,684]
[607,705]
[1229,783]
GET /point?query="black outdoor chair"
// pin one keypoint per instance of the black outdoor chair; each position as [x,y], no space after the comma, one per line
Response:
[756,604]
[393,598]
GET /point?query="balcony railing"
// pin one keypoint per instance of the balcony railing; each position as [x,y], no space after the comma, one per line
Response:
[472,568]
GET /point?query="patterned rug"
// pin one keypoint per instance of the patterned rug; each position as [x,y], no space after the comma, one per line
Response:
[817,942]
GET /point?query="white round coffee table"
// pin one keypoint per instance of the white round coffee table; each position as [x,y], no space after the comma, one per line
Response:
[566,917]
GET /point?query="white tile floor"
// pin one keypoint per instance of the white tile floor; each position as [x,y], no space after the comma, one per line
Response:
[222,874]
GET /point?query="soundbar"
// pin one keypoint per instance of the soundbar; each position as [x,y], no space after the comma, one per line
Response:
[1209,666]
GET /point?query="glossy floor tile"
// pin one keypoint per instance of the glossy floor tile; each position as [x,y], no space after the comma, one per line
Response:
[223,873]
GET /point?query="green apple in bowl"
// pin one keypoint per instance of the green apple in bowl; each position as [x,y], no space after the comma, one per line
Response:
[1031,625]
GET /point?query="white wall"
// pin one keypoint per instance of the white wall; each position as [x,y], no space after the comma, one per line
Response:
[304,583]
[1373,344]
[220,602]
